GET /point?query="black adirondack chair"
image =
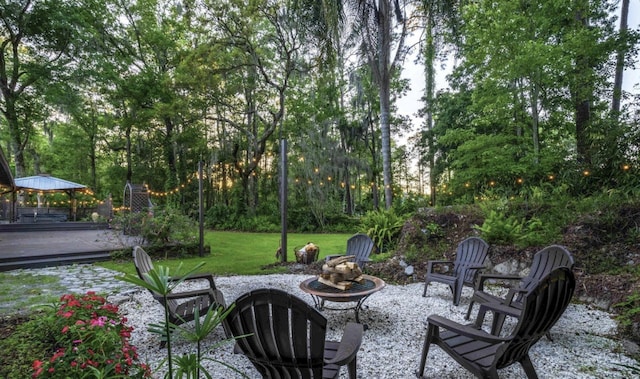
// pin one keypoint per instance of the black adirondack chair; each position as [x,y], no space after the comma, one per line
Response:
[285,337]
[483,353]
[544,261]
[470,256]
[360,246]
[182,305]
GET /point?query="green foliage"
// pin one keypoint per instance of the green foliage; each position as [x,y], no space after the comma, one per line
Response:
[88,337]
[189,365]
[168,226]
[629,310]
[31,340]
[383,227]
[499,229]
[409,203]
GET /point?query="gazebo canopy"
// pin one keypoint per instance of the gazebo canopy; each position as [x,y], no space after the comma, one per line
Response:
[47,183]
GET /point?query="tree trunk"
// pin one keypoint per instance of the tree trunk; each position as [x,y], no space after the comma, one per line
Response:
[17,142]
[384,80]
[429,90]
[617,85]
[582,94]
[169,152]
[534,93]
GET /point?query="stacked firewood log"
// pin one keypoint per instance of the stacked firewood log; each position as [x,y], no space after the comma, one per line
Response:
[341,273]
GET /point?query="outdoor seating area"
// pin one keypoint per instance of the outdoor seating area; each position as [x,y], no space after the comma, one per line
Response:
[283,334]
[391,346]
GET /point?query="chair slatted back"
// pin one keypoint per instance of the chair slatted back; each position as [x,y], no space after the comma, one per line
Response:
[360,245]
[143,264]
[470,252]
[287,335]
[542,307]
[545,261]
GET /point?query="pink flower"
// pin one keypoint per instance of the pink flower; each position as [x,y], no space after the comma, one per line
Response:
[37,366]
[98,321]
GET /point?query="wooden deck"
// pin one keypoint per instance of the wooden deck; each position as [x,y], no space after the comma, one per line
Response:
[60,243]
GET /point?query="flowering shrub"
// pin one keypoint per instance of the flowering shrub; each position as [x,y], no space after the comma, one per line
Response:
[92,341]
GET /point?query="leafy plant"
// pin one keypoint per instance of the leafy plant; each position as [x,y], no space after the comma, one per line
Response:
[90,339]
[499,229]
[189,365]
[629,310]
[383,227]
[168,225]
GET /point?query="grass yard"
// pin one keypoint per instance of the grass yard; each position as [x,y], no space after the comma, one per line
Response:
[243,253]
[21,290]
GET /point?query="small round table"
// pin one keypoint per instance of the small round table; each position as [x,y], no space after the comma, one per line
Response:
[358,292]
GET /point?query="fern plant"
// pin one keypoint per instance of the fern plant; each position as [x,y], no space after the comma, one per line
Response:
[499,229]
[383,227]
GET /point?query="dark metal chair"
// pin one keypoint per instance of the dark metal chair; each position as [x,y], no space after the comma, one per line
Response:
[544,261]
[483,353]
[182,306]
[470,256]
[360,246]
[284,337]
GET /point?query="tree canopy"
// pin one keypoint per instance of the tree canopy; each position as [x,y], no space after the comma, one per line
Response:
[141,91]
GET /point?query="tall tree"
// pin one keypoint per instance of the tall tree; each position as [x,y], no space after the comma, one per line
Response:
[620,58]
[36,42]
[383,26]
[260,47]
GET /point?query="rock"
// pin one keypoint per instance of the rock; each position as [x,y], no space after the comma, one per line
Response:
[631,348]
[409,271]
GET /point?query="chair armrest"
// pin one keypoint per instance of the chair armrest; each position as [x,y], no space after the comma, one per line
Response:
[502,308]
[464,330]
[203,276]
[194,293]
[430,264]
[349,345]
[483,277]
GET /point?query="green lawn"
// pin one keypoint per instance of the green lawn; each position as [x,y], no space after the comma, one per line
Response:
[243,253]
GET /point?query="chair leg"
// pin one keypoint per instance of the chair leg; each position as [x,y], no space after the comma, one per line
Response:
[426,284]
[498,321]
[456,289]
[528,367]
[468,316]
[352,369]
[482,311]
[425,351]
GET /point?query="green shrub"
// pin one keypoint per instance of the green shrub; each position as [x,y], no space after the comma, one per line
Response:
[629,311]
[499,229]
[168,226]
[31,340]
[383,227]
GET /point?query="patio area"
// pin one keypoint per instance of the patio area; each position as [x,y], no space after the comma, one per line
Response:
[584,343]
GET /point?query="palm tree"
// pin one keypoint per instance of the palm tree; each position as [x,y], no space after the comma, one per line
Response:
[381,27]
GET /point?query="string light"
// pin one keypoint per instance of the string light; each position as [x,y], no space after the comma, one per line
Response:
[316,170]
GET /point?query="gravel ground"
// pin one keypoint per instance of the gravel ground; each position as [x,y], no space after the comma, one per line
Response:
[584,345]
